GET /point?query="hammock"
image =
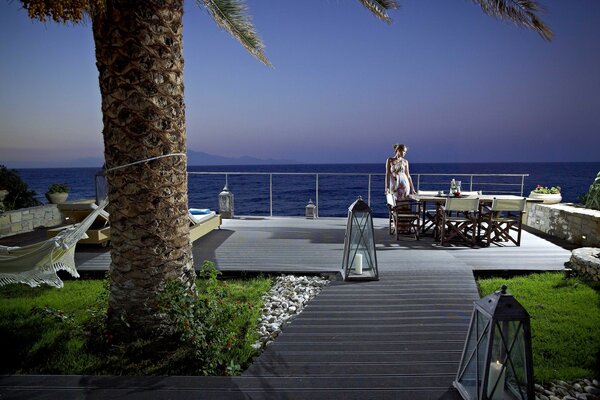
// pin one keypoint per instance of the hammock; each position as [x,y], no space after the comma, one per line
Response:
[38,263]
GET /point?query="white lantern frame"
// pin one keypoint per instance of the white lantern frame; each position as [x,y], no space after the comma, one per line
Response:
[360,259]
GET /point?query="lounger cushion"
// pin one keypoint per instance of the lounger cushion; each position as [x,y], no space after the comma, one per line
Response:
[197,219]
[200,211]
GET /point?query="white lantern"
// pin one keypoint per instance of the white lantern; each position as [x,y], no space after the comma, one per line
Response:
[226,203]
[360,260]
[311,210]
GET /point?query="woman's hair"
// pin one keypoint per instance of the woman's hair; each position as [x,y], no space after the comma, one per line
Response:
[401,147]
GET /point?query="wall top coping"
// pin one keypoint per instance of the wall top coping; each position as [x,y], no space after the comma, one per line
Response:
[572,208]
[21,210]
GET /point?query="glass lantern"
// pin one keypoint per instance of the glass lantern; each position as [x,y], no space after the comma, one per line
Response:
[226,203]
[497,360]
[310,211]
[360,260]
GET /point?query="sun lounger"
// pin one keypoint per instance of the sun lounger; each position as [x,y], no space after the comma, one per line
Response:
[202,221]
[97,233]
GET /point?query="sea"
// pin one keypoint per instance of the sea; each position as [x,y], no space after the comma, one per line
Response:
[293,190]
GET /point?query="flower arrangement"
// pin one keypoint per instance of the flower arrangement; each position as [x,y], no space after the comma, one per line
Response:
[58,188]
[545,190]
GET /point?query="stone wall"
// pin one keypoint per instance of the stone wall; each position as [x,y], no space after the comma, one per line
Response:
[586,261]
[573,223]
[28,219]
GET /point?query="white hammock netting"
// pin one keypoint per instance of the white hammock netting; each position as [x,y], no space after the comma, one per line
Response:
[38,263]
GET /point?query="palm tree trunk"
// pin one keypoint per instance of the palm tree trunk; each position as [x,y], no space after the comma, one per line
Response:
[139,54]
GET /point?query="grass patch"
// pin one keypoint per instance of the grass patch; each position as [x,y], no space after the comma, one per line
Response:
[61,331]
[565,323]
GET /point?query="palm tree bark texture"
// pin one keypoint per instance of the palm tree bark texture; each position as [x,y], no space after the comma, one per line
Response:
[139,54]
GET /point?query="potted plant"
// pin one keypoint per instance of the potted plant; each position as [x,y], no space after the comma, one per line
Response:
[549,195]
[57,193]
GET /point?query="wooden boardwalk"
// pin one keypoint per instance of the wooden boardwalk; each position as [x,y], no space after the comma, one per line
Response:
[398,338]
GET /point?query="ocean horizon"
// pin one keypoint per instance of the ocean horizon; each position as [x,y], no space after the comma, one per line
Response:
[292,192]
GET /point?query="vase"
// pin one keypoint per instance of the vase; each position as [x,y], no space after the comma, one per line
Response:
[57,198]
[546,198]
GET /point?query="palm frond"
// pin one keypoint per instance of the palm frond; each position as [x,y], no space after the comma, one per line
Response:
[379,7]
[521,12]
[232,16]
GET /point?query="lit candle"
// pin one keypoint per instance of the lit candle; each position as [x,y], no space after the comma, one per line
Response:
[496,374]
[357,264]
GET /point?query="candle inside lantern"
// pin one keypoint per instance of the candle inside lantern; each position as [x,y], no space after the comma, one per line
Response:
[496,374]
[357,264]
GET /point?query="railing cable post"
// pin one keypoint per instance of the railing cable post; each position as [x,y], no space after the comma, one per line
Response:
[418,182]
[369,192]
[317,193]
[471,183]
[271,195]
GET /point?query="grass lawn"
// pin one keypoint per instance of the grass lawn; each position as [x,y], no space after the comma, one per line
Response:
[49,331]
[565,323]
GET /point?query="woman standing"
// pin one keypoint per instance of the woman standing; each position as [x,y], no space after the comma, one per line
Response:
[397,176]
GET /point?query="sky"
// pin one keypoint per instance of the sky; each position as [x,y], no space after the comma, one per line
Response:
[452,83]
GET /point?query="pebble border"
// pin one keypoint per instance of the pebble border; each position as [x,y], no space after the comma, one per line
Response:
[286,299]
[581,389]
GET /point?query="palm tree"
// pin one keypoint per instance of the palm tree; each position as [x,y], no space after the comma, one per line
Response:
[139,55]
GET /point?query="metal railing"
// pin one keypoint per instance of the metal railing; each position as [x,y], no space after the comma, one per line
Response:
[418,180]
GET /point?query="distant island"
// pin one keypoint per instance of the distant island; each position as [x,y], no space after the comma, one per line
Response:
[201,158]
[195,158]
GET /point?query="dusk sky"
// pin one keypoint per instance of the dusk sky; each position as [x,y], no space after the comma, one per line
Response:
[453,84]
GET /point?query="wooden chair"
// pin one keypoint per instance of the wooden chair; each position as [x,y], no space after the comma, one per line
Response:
[460,220]
[504,220]
[429,211]
[404,217]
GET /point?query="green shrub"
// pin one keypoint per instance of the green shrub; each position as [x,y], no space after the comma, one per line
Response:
[592,198]
[19,195]
[212,330]
[209,334]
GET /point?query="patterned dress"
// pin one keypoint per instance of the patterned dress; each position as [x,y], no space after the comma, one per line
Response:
[399,184]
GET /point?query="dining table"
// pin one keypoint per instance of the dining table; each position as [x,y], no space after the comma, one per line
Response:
[432,215]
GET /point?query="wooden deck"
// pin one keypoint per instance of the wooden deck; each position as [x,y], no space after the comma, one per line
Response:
[298,245]
[302,245]
[398,338]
